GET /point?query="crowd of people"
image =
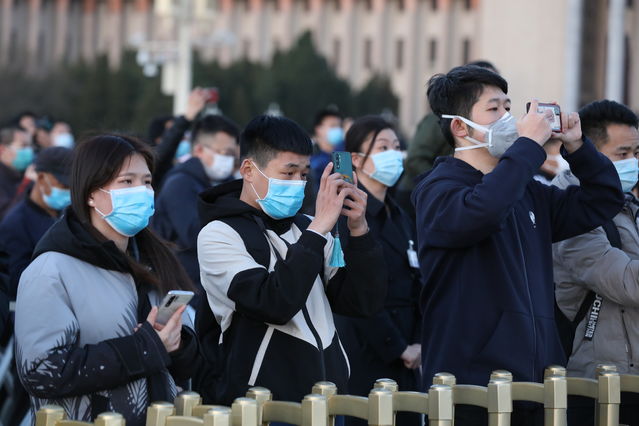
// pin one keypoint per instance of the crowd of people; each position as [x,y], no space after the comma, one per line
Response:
[493,243]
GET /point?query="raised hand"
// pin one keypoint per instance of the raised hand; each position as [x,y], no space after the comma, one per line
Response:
[536,125]
[171,332]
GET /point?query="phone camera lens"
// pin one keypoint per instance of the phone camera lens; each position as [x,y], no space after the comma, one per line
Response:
[170,301]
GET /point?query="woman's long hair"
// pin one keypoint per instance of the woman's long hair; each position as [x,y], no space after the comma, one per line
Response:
[97,162]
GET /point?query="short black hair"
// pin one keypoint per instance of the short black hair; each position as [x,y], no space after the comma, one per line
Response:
[329,111]
[266,136]
[484,64]
[457,91]
[360,131]
[211,124]
[8,134]
[157,126]
[598,115]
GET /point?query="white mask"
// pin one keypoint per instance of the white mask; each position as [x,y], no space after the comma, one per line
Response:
[221,168]
[499,135]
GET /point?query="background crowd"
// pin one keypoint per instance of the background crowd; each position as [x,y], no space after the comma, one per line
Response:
[479,233]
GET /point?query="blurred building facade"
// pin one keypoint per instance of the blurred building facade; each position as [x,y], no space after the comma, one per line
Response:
[569,51]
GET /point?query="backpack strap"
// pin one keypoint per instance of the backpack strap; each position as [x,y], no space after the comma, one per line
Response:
[612,233]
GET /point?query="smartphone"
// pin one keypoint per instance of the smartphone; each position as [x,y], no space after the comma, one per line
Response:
[171,303]
[556,124]
[212,95]
[343,165]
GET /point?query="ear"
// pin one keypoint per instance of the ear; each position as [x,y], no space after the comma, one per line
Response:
[356,159]
[246,170]
[458,128]
[197,150]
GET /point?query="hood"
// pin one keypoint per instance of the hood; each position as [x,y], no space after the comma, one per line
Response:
[448,168]
[565,179]
[223,201]
[70,237]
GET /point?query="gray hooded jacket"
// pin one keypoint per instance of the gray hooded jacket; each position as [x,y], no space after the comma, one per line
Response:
[589,262]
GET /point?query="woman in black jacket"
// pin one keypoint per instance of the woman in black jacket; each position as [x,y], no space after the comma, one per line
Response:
[86,332]
[385,345]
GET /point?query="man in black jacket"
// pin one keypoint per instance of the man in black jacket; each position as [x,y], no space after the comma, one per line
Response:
[215,149]
[274,305]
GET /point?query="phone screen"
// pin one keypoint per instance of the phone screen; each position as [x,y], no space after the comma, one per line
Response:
[556,110]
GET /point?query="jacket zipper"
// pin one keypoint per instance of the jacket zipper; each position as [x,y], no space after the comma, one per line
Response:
[628,345]
[532,312]
[307,316]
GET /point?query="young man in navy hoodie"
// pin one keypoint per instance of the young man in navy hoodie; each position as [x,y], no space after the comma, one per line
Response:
[485,230]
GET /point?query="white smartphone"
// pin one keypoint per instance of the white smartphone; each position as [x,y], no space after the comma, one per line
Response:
[171,303]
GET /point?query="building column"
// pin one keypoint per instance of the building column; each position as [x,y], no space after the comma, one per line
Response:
[382,16]
[413,59]
[615,59]
[286,9]
[33,28]
[61,30]
[88,34]
[6,28]
[448,41]
[320,29]
[572,55]
[114,19]
[351,42]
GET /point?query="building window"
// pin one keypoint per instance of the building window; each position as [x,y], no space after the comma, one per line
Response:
[401,5]
[434,4]
[468,4]
[337,5]
[368,54]
[432,52]
[368,4]
[399,54]
[337,47]
[307,5]
[465,51]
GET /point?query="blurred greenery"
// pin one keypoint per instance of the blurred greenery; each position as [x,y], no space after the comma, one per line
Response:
[91,97]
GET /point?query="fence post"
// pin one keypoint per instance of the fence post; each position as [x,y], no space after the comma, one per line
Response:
[158,412]
[244,412]
[609,398]
[185,402]
[380,407]
[218,416]
[47,415]
[555,401]
[500,401]
[315,410]
[261,395]
[440,405]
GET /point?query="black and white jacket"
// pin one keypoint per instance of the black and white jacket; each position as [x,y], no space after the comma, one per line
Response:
[277,323]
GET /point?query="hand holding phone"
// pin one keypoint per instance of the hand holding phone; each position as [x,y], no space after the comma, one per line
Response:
[171,303]
[556,110]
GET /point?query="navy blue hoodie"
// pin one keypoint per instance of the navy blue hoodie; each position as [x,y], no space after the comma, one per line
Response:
[486,258]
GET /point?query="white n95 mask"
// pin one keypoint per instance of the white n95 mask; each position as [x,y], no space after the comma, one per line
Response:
[499,136]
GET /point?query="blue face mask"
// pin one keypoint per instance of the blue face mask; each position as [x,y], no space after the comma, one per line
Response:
[58,199]
[284,197]
[183,149]
[132,208]
[64,139]
[628,171]
[335,136]
[24,157]
[389,166]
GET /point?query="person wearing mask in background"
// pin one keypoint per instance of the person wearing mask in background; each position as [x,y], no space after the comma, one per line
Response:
[215,150]
[16,154]
[328,136]
[157,127]
[28,220]
[485,233]
[61,135]
[427,144]
[27,120]
[388,343]
[42,138]
[270,281]
[86,332]
[173,143]
[601,268]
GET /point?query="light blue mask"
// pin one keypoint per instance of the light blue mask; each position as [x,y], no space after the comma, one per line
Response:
[335,136]
[64,139]
[628,171]
[24,157]
[284,197]
[58,199]
[183,149]
[389,166]
[132,208]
